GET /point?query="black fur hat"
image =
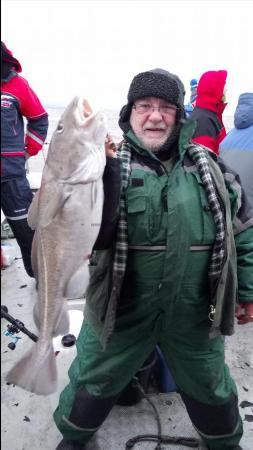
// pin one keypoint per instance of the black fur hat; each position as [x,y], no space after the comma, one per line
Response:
[154,83]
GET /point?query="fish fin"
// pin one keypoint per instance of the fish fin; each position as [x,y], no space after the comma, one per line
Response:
[78,283]
[62,324]
[61,193]
[32,216]
[36,315]
[36,372]
[34,257]
[53,208]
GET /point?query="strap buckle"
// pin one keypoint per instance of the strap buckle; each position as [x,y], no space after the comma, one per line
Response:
[211,313]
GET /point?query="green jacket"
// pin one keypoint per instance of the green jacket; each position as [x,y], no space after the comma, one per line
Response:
[171,232]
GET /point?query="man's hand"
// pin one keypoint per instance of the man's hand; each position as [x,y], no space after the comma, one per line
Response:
[110,147]
[244,313]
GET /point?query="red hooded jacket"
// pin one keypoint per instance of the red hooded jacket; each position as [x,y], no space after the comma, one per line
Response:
[210,130]
[18,100]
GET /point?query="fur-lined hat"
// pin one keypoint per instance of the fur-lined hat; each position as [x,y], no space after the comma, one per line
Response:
[154,83]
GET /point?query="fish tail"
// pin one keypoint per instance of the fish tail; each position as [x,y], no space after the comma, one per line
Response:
[36,372]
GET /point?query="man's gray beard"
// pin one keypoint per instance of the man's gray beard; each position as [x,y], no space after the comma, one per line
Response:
[156,148]
[167,147]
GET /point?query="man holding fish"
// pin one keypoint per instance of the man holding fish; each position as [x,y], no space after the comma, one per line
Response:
[171,259]
[180,259]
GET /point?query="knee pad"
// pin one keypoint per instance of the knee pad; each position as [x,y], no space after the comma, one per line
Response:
[89,411]
[213,420]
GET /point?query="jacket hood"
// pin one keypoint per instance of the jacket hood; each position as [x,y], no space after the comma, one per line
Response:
[7,56]
[210,90]
[244,111]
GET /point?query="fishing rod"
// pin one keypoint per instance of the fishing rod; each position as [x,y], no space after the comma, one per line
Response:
[15,327]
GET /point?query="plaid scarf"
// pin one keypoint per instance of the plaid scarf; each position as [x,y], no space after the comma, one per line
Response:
[121,246]
[199,156]
[200,159]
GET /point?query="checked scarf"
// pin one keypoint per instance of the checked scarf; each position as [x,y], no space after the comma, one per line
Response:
[121,246]
[199,156]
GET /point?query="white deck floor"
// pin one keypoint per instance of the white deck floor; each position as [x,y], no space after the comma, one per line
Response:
[27,422]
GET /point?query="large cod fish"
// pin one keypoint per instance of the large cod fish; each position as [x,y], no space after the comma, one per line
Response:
[66,214]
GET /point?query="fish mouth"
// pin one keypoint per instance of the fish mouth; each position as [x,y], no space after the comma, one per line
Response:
[84,107]
[84,111]
[86,118]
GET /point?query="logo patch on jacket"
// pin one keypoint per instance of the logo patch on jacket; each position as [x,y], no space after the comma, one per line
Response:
[6,101]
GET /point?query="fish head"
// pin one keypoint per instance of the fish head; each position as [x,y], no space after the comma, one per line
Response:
[77,149]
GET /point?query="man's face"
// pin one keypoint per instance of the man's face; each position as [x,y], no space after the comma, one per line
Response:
[152,120]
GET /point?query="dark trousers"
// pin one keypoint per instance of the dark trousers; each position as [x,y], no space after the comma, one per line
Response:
[16,197]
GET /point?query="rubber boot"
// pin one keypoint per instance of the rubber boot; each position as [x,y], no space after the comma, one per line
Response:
[84,419]
[235,447]
[24,237]
[70,445]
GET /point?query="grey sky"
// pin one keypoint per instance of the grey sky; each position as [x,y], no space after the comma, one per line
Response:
[95,48]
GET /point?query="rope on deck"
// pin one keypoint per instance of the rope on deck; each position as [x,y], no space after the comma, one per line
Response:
[159,438]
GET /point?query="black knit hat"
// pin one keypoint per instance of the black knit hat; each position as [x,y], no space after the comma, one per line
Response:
[154,83]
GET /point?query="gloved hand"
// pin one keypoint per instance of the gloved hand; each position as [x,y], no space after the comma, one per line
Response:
[244,313]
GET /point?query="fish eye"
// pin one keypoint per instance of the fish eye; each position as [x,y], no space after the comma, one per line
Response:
[59,128]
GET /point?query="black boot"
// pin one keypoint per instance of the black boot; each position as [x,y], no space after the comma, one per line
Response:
[88,412]
[70,445]
[24,238]
[235,447]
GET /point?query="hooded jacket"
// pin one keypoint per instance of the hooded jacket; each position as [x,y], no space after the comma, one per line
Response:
[18,100]
[208,110]
[237,147]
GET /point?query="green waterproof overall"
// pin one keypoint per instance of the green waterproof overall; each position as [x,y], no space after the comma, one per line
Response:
[164,299]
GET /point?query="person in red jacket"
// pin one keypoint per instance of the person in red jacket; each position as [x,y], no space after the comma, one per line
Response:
[210,104]
[18,100]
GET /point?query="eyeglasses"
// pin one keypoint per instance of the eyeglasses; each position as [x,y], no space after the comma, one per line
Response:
[147,108]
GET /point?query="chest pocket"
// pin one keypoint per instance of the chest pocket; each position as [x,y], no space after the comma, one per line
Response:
[146,214]
[137,217]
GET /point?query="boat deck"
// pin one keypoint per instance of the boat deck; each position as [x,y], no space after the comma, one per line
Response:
[27,422]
